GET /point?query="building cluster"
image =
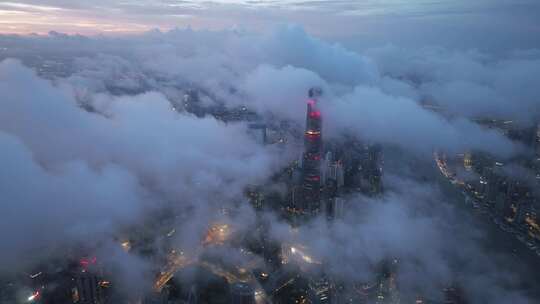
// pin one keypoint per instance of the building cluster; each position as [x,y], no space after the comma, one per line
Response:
[318,185]
[507,191]
[201,103]
[81,282]
[328,172]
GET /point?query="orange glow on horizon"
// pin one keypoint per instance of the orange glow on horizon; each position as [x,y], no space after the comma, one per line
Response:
[23,19]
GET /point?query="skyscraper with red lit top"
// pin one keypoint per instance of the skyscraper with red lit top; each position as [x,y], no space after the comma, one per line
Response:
[311,169]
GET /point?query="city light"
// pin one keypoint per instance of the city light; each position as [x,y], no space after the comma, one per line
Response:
[34,296]
[126,246]
[297,254]
[217,234]
[87,262]
[105,284]
[33,276]
[313,132]
[315,114]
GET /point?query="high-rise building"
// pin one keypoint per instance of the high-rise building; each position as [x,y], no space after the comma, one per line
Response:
[333,170]
[337,207]
[321,290]
[467,161]
[311,162]
[454,295]
[537,154]
[333,182]
[387,289]
[242,293]
[87,289]
[538,139]
[374,169]
[193,297]
[259,132]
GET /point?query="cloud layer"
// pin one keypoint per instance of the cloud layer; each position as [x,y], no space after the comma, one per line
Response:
[92,143]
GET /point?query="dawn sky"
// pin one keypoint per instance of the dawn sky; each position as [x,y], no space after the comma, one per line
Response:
[480,23]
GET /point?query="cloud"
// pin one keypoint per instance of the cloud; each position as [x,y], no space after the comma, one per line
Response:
[416,223]
[47,209]
[94,137]
[71,175]
[470,84]
[401,121]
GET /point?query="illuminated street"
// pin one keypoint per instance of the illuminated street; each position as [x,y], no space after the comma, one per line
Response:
[217,234]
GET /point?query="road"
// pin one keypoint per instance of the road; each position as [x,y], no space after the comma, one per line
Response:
[217,235]
[176,260]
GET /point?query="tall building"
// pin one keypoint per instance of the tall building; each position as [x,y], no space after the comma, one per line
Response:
[193,297]
[259,132]
[537,140]
[333,170]
[242,293]
[387,289]
[537,152]
[87,289]
[321,290]
[467,161]
[374,170]
[454,295]
[311,162]
[333,182]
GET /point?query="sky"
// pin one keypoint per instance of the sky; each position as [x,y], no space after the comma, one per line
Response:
[480,23]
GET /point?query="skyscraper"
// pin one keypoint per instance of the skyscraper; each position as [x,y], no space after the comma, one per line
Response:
[242,293]
[332,182]
[387,289]
[537,154]
[311,168]
[259,132]
[538,140]
[454,295]
[87,290]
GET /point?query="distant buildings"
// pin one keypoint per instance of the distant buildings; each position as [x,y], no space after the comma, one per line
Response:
[508,192]
[201,103]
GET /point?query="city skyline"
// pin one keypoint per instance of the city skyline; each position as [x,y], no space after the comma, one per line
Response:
[269,152]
